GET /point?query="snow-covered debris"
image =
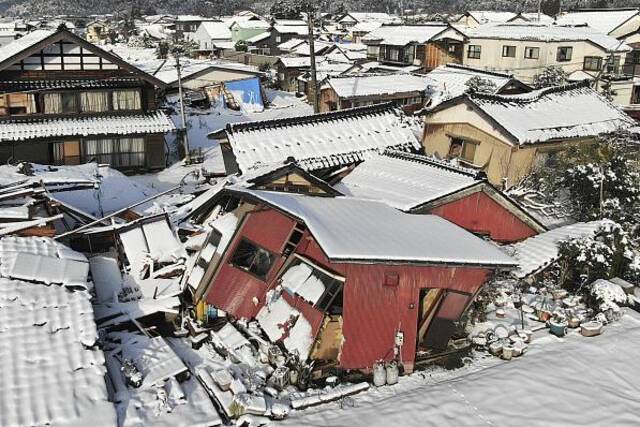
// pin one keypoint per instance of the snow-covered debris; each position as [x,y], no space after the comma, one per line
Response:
[47,337]
[150,238]
[538,252]
[609,295]
[321,140]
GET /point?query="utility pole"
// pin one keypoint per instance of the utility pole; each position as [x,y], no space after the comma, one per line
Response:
[539,9]
[312,55]
[185,136]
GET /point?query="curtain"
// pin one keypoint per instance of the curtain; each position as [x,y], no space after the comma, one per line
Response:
[94,102]
[122,152]
[52,103]
[126,100]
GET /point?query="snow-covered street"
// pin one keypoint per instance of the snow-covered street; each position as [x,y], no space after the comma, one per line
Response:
[570,381]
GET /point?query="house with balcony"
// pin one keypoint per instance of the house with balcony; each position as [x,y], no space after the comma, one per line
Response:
[427,46]
[65,101]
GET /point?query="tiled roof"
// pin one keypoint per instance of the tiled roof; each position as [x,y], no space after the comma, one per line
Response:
[321,140]
[22,130]
[19,85]
[348,86]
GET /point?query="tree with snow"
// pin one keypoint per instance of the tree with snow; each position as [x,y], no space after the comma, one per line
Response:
[478,84]
[550,76]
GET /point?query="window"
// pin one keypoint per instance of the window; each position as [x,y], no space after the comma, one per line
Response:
[592,63]
[393,54]
[531,52]
[117,152]
[613,65]
[94,102]
[462,149]
[474,51]
[126,100]
[509,51]
[564,53]
[253,259]
[314,284]
[373,52]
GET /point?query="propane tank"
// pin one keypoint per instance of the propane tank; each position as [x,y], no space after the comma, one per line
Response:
[379,374]
[392,372]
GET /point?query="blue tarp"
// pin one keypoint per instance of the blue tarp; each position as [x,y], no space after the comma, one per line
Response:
[249,88]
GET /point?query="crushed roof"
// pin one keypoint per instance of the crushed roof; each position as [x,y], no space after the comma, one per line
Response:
[378,232]
[27,129]
[354,86]
[405,181]
[571,111]
[602,20]
[546,33]
[321,140]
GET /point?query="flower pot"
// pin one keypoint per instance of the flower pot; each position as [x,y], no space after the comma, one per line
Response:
[495,348]
[591,329]
[544,315]
[573,322]
[558,329]
[507,352]
[519,348]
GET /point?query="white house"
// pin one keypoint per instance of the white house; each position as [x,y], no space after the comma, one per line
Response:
[213,35]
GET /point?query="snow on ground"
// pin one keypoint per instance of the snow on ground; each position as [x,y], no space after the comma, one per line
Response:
[559,381]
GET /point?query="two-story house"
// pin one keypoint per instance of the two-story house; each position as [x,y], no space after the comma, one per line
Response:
[65,101]
[427,46]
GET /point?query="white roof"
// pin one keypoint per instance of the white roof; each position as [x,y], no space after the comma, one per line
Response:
[537,252]
[46,339]
[290,44]
[450,81]
[484,16]
[366,27]
[533,31]
[252,24]
[19,130]
[378,232]
[23,43]
[321,140]
[573,111]
[296,61]
[216,30]
[403,183]
[348,86]
[400,35]
[301,30]
[259,37]
[603,20]
[381,17]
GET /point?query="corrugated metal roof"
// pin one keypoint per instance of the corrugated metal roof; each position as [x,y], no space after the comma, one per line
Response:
[28,129]
[351,229]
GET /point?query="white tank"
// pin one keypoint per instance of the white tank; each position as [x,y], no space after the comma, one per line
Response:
[379,374]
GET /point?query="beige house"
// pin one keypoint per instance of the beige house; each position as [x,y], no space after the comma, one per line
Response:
[524,50]
[506,135]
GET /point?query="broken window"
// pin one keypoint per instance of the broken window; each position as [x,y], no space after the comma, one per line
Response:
[253,259]
[314,284]
[463,149]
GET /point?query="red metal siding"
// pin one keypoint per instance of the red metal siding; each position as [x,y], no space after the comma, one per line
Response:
[233,289]
[481,214]
[372,312]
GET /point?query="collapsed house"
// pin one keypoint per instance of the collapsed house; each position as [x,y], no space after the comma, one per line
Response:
[425,185]
[343,281]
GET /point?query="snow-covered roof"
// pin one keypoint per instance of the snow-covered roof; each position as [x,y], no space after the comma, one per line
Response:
[405,182]
[301,30]
[290,44]
[378,232]
[216,30]
[51,372]
[602,20]
[252,24]
[24,42]
[485,16]
[541,32]
[354,86]
[295,61]
[381,17]
[259,37]
[401,35]
[563,112]
[22,130]
[321,140]
[366,27]
[450,80]
[537,252]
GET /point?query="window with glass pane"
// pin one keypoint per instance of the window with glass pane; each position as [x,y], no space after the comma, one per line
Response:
[564,53]
[69,103]
[474,51]
[314,284]
[94,102]
[252,258]
[119,153]
[613,65]
[509,51]
[126,100]
[592,63]
[531,52]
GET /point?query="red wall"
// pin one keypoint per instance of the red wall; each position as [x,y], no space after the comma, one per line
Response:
[372,312]
[480,213]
